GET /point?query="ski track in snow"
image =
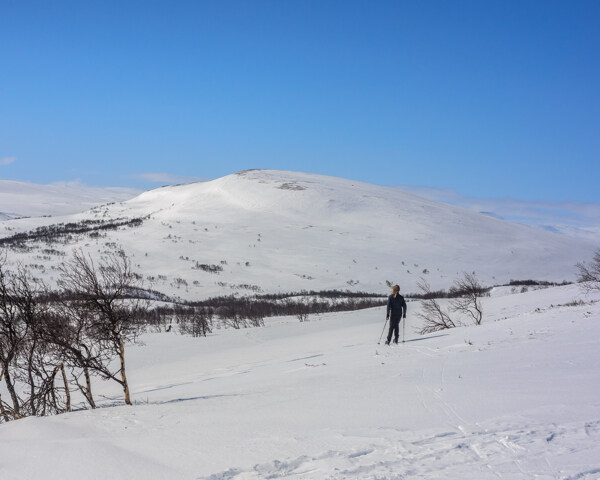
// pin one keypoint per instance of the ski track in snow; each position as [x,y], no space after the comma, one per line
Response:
[501,452]
[464,450]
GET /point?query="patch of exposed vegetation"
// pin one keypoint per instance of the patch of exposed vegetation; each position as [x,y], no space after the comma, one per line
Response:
[62,231]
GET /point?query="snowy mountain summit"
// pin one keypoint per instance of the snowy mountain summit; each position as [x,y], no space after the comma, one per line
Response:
[266,231]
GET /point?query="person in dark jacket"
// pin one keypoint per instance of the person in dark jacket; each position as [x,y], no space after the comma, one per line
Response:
[396,310]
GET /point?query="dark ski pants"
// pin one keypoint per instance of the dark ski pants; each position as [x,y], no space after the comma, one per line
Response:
[394,328]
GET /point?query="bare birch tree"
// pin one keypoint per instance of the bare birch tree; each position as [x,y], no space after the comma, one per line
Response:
[12,341]
[195,321]
[109,292]
[589,273]
[67,330]
[28,364]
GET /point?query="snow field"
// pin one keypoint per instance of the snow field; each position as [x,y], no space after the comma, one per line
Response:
[23,199]
[515,398]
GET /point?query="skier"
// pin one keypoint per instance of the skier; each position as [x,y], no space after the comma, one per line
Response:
[396,310]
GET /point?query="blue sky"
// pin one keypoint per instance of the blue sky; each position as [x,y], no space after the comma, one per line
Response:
[489,98]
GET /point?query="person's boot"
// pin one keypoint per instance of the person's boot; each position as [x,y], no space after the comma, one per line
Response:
[387,342]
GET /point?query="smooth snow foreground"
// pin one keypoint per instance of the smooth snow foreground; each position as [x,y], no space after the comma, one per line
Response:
[515,398]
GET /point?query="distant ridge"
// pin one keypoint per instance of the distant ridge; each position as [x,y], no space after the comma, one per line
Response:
[23,199]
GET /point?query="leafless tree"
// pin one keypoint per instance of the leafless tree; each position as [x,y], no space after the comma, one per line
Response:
[434,316]
[82,329]
[231,315]
[195,321]
[468,301]
[35,366]
[109,294]
[589,274]
[302,311]
[11,340]
[254,313]
[28,365]
[67,329]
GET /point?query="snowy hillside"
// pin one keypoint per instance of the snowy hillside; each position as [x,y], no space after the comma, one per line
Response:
[515,398]
[265,231]
[23,199]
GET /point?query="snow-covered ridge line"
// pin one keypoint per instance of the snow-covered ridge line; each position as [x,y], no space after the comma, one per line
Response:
[577,219]
[24,199]
[275,231]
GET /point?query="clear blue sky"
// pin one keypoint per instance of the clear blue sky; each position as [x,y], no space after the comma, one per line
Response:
[491,98]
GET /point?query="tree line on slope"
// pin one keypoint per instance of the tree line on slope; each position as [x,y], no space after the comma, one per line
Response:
[64,232]
[199,318]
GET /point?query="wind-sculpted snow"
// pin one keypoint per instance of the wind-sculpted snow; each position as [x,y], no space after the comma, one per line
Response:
[271,231]
[514,398]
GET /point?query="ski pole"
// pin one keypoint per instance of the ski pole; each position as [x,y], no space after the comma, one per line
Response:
[381,336]
[403,328]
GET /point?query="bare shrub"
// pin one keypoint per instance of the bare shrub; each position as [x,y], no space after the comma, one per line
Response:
[469,301]
[589,274]
[434,316]
[196,322]
[302,311]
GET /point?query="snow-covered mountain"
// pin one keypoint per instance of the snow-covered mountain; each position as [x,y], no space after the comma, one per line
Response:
[515,397]
[24,199]
[575,219]
[267,231]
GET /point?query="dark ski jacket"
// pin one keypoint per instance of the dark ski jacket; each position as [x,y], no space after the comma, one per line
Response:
[396,306]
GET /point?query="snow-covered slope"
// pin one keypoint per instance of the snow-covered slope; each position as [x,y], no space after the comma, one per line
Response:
[515,398]
[576,219]
[23,199]
[283,231]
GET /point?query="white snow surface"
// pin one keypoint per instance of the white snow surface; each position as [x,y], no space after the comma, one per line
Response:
[275,231]
[24,199]
[515,398]
[576,219]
